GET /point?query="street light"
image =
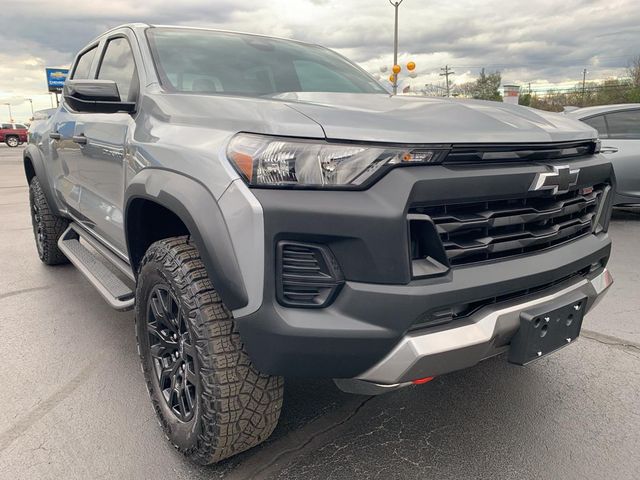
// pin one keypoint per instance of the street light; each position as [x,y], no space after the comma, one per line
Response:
[10,115]
[395,5]
[31,102]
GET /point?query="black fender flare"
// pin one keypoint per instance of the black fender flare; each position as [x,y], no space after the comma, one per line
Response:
[194,204]
[31,155]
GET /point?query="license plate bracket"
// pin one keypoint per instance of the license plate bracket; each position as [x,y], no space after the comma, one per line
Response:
[547,328]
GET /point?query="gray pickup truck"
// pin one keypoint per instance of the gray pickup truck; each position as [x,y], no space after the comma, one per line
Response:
[269,210]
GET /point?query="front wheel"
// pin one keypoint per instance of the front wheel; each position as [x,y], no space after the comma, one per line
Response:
[12,141]
[47,226]
[211,401]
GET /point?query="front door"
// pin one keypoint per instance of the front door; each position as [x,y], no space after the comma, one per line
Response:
[103,138]
[65,154]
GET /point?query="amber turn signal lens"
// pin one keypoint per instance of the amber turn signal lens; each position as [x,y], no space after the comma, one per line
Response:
[244,163]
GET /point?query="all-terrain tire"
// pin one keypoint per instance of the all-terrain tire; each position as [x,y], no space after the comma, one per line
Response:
[47,227]
[235,407]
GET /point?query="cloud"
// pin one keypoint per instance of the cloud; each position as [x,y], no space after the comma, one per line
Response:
[542,41]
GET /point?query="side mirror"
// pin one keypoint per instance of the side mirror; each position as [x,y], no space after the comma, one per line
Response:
[95,96]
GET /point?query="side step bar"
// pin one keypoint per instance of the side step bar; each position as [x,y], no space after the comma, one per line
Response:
[114,290]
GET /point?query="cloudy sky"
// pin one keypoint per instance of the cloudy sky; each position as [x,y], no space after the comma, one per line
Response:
[539,41]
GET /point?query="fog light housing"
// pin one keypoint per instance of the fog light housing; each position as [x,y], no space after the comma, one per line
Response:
[307,275]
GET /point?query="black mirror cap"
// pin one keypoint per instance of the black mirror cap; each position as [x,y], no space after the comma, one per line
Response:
[95,96]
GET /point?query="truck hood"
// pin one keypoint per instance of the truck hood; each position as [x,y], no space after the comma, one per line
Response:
[406,119]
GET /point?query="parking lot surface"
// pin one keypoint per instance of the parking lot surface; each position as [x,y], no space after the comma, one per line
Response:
[75,406]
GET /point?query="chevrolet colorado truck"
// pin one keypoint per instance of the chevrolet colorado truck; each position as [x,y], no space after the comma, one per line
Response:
[269,210]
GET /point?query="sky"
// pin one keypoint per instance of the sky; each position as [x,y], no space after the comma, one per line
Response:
[545,42]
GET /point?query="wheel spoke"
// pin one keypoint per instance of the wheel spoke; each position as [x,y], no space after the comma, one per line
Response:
[187,394]
[163,340]
[190,376]
[189,350]
[181,400]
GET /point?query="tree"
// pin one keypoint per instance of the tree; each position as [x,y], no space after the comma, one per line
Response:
[485,87]
[634,71]
[524,99]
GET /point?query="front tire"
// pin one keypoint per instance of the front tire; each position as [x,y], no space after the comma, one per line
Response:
[210,400]
[12,141]
[47,227]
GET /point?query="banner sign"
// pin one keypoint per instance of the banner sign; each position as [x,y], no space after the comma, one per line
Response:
[56,78]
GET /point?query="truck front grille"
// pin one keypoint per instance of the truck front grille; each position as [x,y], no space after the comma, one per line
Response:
[480,231]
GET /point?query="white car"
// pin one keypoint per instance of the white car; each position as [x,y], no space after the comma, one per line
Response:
[619,129]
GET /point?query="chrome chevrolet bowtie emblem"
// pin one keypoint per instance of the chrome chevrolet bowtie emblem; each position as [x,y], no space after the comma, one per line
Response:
[559,181]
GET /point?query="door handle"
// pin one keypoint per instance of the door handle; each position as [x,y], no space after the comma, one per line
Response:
[608,150]
[54,135]
[81,139]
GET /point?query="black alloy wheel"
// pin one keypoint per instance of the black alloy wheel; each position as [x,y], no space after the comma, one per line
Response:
[173,353]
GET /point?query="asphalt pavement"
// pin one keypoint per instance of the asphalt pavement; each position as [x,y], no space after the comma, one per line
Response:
[74,405]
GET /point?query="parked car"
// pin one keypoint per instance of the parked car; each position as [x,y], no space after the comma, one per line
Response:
[619,130]
[269,210]
[13,134]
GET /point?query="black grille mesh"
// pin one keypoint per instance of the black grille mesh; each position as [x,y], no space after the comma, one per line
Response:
[480,231]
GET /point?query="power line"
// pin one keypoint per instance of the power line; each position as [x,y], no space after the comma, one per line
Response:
[575,61]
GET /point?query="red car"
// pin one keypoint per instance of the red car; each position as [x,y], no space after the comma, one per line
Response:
[13,134]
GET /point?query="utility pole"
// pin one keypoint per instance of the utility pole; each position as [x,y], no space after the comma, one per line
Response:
[395,5]
[446,74]
[584,80]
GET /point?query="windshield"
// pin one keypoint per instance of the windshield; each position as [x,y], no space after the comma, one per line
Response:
[207,61]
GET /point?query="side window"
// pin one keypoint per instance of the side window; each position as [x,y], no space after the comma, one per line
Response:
[6,126]
[20,126]
[118,65]
[83,67]
[624,124]
[599,124]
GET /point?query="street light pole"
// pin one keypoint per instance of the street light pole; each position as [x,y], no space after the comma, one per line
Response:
[395,5]
[584,81]
[10,115]
[31,102]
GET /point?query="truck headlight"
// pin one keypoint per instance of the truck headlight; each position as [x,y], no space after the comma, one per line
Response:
[282,162]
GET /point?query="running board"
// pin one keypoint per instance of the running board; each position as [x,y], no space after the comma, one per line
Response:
[114,290]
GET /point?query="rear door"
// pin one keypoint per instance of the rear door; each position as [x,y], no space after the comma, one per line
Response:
[621,131]
[103,147]
[64,153]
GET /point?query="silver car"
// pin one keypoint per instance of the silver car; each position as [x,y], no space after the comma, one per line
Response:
[619,129]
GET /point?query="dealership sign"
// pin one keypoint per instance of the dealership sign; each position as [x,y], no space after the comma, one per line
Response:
[56,78]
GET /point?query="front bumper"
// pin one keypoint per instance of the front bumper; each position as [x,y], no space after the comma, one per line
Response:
[439,351]
[369,321]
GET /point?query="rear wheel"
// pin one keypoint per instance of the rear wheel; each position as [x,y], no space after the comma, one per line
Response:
[47,227]
[210,400]
[12,141]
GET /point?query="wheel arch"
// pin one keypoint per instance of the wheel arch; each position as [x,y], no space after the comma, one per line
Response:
[190,209]
[34,167]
